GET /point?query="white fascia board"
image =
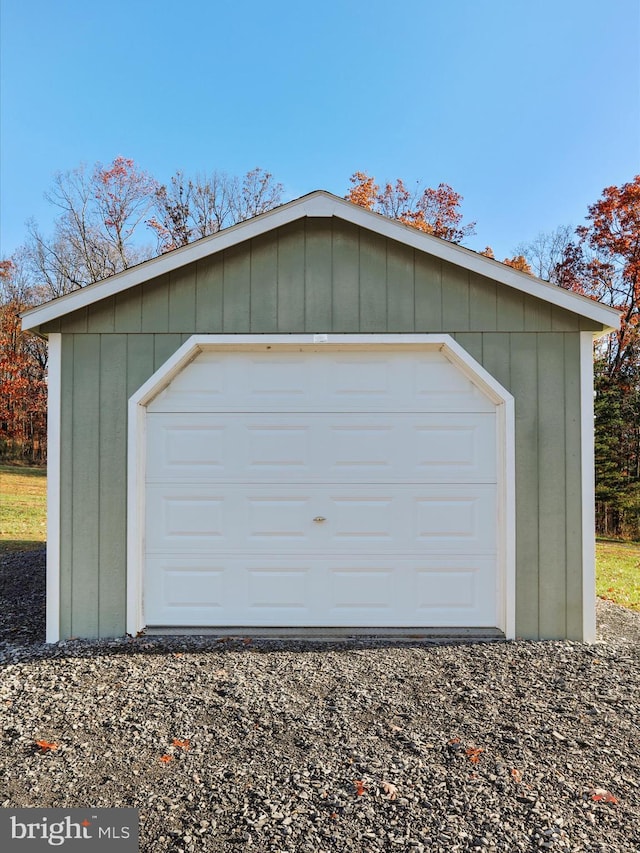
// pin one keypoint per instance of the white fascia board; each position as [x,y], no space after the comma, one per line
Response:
[322,204]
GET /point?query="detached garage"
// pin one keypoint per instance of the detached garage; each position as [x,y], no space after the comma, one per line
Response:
[321,419]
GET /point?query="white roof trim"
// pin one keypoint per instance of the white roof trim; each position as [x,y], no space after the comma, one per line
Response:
[321,204]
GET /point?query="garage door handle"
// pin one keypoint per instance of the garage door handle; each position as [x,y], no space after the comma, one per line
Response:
[319,519]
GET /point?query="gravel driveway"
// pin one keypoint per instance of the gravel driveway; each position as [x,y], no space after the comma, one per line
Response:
[273,746]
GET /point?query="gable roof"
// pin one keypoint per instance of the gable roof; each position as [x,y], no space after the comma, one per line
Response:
[322,204]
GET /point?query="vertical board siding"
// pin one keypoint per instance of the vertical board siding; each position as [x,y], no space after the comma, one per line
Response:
[321,276]
[209,292]
[455,298]
[552,591]
[483,303]
[164,347]
[564,321]
[112,479]
[291,278]
[428,294]
[236,302]
[182,299]
[318,276]
[345,293]
[264,284]
[155,305]
[128,310]
[496,356]
[373,283]
[537,315]
[140,363]
[76,322]
[400,289]
[102,317]
[85,585]
[472,342]
[510,310]
[524,387]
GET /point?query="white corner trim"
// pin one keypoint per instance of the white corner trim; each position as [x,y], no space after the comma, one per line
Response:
[588,489]
[507,506]
[322,204]
[136,447]
[136,461]
[54,414]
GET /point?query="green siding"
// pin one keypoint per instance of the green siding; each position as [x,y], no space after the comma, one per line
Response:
[236,290]
[128,310]
[456,297]
[291,262]
[524,387]
[373,283]
[400,289]
[552,547]
[112,474]
[155,306]
[317,276]
[345,292]
[428,294]
[483,303]
[85,527]
[209,293]
[321,276]
[264,283]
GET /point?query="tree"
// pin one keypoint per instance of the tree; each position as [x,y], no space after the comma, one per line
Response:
[546,252]
[186,209]
[23,364]
[96,233]
[613,268]
[434,211]
[604,263]
[519,262]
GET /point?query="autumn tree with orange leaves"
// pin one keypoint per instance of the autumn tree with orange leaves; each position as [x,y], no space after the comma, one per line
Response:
[434,211]
[604,263]
[23,365]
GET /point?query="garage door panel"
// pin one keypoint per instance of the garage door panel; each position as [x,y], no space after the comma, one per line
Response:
[300,591]
[438,518]
[335,447]
[185,591]
[321,382]
[456,588]
[321,488]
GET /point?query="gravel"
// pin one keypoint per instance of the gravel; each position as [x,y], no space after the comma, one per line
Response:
[228,745]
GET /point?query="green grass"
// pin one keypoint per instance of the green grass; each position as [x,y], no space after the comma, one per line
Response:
[23,514]
[23,507]
[618,572]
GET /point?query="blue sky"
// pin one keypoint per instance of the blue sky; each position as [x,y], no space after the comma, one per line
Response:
[527,109]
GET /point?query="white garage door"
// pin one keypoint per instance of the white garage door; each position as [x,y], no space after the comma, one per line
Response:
[325,488]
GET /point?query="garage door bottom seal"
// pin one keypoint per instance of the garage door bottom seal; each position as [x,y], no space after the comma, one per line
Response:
[330,633]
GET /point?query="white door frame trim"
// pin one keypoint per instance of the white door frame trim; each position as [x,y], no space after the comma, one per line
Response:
[196,344]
